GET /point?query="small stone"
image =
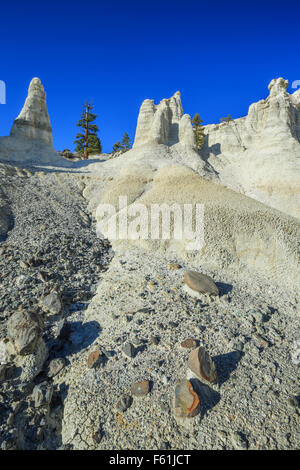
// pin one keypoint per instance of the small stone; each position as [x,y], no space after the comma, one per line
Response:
[42,394]
[93,359]
[262,341]
[128,350]
[174,267]
[189,343]
[96,438]
[238,440]
[154,340]
[23,265]
[294,401]
[186,400]
[124,403]
[52,303]
[201,283]
[55,366]
[202,365]
[140,389]
[24,329]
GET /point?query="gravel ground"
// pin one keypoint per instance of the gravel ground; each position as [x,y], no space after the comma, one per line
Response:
[110,300]
[52,246]
[249,331]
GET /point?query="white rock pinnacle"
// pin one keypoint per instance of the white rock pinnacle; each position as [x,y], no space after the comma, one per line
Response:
[164,123]
[33,121]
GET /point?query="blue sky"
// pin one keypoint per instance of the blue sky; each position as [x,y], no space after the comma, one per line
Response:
[221,55]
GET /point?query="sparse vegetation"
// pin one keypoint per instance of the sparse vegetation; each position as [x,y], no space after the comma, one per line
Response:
[226,119]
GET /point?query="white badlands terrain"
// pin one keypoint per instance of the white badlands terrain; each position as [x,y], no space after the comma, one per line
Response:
[75,384]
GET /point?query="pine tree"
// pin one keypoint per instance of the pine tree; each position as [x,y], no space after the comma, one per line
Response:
[198,130]
[124,145]
[88,143]
[117,147]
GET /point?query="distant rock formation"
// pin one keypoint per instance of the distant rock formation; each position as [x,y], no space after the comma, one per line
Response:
[33,121]
[279,114]
[258,155]
[164,123]
[30,139]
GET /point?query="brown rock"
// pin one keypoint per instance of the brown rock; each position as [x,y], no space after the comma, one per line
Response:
[93,358]
[202,365]
[189,343]
[201,283]
[140,389]
[174,267]
[186,400]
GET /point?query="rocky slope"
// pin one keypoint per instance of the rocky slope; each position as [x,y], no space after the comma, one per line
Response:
[96,333]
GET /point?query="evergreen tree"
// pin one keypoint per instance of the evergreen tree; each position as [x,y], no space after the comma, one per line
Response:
[124,145]
[88,143]
[117,147]
[198,130]
[227,119]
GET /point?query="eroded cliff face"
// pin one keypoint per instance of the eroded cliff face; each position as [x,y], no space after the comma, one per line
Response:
[259,155]
[164,123]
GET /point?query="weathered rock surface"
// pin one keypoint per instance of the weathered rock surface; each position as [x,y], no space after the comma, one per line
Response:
[164,124]
[202,365]
[30,139]
[186,400]
[33,121]
[52,303]
[201,283]
[25,329]
[258,155]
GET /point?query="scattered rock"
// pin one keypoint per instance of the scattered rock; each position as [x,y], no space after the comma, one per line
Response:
[23,265]
[294,401]
[186,400]
[174,267]
[96,437]
[189,343]
[42,394]
[128,350]
[124,403]
[32,364]
[52,303]
[202,365]
[93,359]
[140,389]
[201,283]
[55,366]
[154,340]
[24,329]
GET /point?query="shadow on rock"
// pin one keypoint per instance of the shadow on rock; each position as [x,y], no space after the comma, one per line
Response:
[74,337]
[209,398]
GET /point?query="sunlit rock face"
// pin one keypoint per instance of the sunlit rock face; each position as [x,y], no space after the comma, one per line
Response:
[164,123]
[30,140]
[259,155]
[33,121]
